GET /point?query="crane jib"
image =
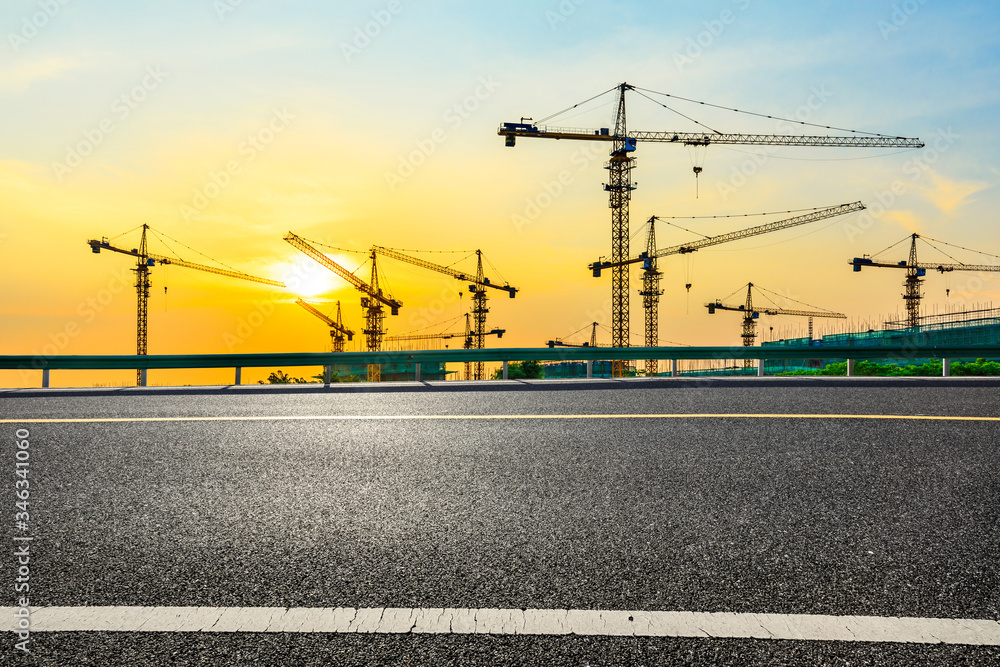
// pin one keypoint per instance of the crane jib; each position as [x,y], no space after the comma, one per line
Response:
[513,130]
[822,214]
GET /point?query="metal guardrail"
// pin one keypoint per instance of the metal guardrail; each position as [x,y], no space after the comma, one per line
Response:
[504,355]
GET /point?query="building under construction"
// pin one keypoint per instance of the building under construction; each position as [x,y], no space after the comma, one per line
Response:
[393,372]
[966,327]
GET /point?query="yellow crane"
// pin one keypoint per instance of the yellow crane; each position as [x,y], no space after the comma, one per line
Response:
[441,336]
[621,163]
[478,288]
[651,294]
[651,275]
[338,332]
[915,271]
[558,342]
[145,260]
[750,315]
[372,302]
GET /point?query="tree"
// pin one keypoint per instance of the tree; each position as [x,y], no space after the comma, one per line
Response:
[279,377]
[524,370]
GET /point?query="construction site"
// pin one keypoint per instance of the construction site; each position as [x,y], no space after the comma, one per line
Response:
[475,328]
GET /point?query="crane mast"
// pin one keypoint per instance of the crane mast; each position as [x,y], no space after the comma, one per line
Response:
[915,271]
[468,344]
[620,185]
[651,293]
[143,261]
[619,188]
[142,298]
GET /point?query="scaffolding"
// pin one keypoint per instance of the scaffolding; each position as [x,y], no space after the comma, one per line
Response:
[963,327]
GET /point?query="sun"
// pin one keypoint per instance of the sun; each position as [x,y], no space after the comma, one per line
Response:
[306,278]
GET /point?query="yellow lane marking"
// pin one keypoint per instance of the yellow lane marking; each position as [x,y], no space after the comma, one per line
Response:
[693,415]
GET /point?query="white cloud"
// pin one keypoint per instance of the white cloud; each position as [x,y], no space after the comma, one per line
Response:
[947,194]
[20,76]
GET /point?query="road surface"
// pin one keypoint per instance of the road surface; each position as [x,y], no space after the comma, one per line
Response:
[762,521]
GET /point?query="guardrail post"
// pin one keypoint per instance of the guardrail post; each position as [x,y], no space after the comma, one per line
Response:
[416,372]
[239,376]
[504,370]
[850,368]
[142,376]
[673,368]
[590,369]
[45,378]
[760,368]
[946,367]
[327,374]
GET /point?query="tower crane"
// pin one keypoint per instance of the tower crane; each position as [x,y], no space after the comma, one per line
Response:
[651,274]
[478,288]
[371,302]
[466,335]
[650,294]
[750,316]
[338,332]
[621,163]
[558,342]
[915,271]
[145,260]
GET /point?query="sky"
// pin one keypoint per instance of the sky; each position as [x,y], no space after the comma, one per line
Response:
[225,124]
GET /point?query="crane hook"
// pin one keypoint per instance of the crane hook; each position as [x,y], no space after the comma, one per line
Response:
[697,170]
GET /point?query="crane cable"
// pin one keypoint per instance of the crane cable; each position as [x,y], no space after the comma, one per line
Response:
[697,122]
[437,324]
[941,251]
[761,115]
[157,235]
[979,252]
[332,247]
[801,303]
[495,270]
[740,215]
[558,113]
[124,233]
[905,238]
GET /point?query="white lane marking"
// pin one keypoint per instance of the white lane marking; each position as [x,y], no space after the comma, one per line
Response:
[583,622]
[681,415]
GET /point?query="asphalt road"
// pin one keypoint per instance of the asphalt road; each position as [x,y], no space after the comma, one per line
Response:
[778,514]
